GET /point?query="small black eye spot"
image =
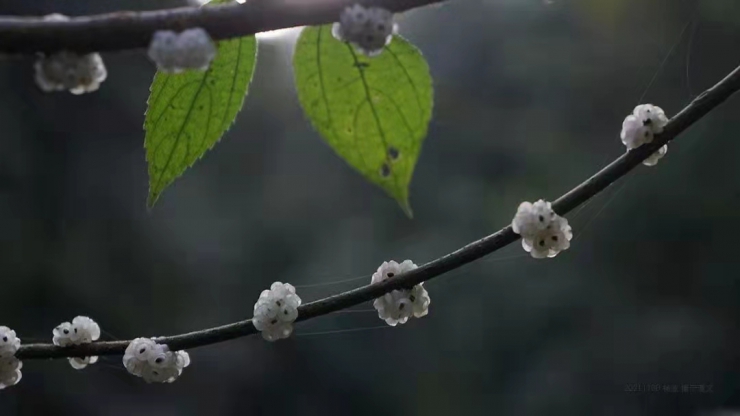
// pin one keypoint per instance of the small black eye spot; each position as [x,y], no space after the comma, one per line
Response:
[554,238]
[412,298]
[274,321]
[5,339]
[66,331]
[75,330]
[285,312]
[401,306]
[155,373]
[279,303]
[390,274]
[158,360]
[542,219]
[141,351]
[385,170]
[542,243]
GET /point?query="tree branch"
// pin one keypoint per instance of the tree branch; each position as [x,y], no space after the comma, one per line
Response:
[692,113]
[130,30]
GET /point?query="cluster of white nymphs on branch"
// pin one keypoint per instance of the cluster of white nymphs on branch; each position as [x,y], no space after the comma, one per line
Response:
[398,306]
[10,367]
[641,126]
[154,362]
[176,52]
[276,310]
[370,30]
[544,233]
[82,330]
[69,71]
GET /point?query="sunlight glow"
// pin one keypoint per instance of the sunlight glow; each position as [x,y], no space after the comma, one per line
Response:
[280,35]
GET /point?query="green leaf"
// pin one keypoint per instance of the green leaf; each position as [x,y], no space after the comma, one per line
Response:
[374,112]
[189,112]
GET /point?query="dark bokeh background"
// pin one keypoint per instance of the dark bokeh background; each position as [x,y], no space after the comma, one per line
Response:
[530,96]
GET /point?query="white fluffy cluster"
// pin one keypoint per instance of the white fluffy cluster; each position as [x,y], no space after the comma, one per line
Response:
[398,306]
[276,310]
[82,330]
[176,52]
[10,367]
[544,233]
[641,126]
[370,30]
[154,362]
[69,71]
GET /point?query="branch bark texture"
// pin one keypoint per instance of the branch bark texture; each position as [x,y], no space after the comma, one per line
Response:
[131,30]
[692,113]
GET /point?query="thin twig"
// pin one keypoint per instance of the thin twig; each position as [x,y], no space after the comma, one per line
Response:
[697,109]
[131,30]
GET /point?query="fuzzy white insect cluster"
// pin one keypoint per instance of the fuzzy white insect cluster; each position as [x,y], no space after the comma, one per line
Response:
[69,71]
[176,52]
[276,310]
[370,30]
[154,362]
[544,233]
[398,306]
[82,330]
[10,367]
[641,126]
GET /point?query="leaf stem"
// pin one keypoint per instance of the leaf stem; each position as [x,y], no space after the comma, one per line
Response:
[132,30]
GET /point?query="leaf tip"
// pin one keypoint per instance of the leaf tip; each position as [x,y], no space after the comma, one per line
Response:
[406,207]
[151,200]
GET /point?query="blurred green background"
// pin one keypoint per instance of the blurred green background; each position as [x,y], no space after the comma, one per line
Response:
[529,100]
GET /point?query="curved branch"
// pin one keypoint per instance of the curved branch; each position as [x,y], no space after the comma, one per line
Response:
[697,109]
[130,30]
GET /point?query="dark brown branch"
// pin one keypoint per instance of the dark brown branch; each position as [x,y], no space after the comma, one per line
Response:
[130,30]
[697,109]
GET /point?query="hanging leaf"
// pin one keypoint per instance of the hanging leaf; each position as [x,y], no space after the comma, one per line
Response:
[189,112]
[374,112]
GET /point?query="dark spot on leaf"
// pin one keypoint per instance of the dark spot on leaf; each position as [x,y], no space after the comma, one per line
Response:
[362,65]
[385,170]
[393,153]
